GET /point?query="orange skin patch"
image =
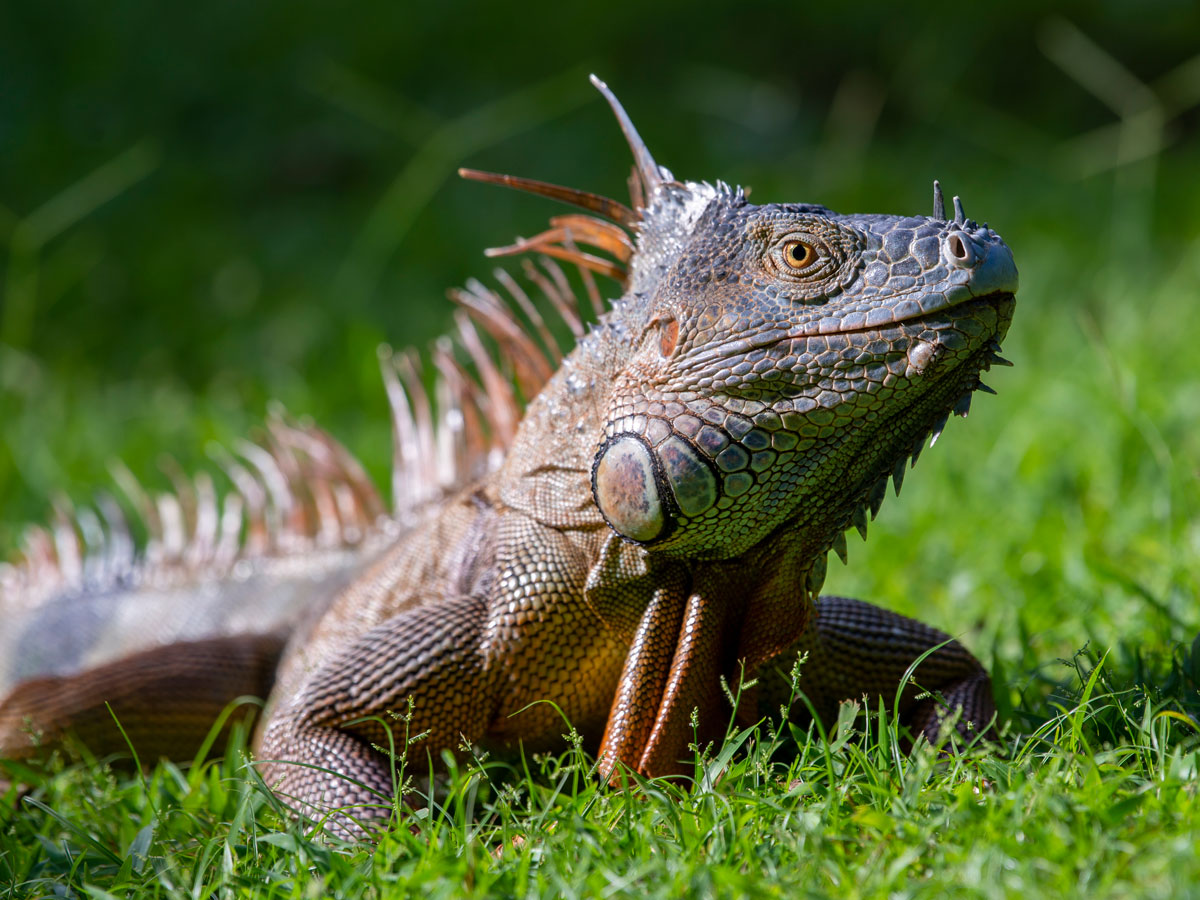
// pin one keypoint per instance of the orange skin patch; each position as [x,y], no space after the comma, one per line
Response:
[668,335]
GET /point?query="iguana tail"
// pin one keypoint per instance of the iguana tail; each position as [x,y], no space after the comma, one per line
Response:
[163,636]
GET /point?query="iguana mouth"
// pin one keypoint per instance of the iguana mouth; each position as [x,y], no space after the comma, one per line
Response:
[996,299]
[777,336]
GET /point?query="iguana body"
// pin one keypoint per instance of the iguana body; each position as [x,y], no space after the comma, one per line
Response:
[660,517]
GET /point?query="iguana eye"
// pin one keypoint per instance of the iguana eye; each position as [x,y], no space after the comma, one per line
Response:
[799,255]
[812,256]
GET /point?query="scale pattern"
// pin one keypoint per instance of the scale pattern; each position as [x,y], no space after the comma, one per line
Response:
[655,520]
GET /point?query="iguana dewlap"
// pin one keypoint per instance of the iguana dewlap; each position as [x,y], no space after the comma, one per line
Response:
[657,519]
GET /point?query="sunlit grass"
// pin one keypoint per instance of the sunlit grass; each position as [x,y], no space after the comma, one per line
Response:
[1099,801]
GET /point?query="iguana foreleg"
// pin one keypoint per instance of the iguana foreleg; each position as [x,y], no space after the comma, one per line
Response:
[327,748]
[858,650]
[673,668]
[635,711]
[730,616]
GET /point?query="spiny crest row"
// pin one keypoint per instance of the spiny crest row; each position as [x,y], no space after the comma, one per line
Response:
[299,489]
[296,489]
[867,506]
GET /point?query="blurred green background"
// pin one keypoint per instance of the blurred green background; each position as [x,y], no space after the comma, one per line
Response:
[204,207]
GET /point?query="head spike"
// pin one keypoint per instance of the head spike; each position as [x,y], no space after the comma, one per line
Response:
[531,312]
[939,202]
[588,230]
[562,304]
[959,216]
[651,174]
[553,242]
[601,206]
[530,365]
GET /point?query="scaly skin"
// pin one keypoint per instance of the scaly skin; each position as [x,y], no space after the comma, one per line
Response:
[663,513]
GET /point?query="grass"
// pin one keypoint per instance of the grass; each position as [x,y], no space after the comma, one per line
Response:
[1055,532]
[1099,801]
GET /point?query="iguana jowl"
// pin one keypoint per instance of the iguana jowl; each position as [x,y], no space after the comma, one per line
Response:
[660,516]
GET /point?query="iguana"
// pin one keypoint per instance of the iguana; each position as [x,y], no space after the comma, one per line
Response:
[657,519]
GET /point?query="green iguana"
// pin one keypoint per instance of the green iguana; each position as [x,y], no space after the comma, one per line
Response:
[658,517]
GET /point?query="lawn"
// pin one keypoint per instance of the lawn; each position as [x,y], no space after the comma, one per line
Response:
[164,279]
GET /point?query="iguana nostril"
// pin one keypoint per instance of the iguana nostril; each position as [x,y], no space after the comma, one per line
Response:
[961,248]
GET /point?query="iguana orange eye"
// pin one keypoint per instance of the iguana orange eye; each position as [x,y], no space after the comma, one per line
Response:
[799,255]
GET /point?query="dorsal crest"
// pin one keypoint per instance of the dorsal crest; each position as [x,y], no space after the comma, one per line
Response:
[296,491]
[641,238]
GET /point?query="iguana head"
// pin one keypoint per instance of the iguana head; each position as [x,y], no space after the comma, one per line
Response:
[784,360]
[788,359]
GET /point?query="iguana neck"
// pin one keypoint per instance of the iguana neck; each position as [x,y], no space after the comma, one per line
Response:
[547,472]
